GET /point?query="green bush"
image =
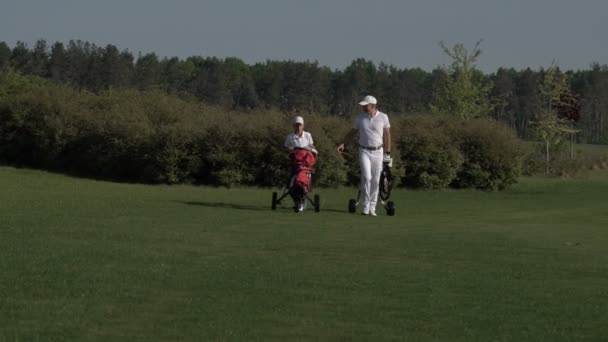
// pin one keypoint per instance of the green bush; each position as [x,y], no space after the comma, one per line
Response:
[37,120]
[330,169]
[247,150]
[250,151]
[430,152]
[492,155]
[441,151]
[151,137]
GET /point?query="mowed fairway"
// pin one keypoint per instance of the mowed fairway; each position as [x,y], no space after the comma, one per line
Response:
[85,260]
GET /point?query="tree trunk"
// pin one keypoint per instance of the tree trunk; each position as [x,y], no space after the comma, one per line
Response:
[571,146]
[601,125]
[596,123]
[547,157]
[572,141]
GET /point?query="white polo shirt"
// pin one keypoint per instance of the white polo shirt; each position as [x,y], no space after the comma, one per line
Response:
[371,130]
[293,140]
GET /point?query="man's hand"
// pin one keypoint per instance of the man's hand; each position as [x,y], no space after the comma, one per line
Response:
[349,136]
[388,160]
[340,148]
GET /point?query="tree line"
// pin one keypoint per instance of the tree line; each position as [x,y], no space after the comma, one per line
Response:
[307,87]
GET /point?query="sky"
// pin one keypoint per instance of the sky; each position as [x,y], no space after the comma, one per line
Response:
[515,33]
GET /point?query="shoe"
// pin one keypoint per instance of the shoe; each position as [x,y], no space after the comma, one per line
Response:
[372,213]
[365,210]
[299,204]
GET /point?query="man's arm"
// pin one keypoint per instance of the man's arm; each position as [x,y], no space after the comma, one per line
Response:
[287,144]
[387,140]
[311,142]
[347,138]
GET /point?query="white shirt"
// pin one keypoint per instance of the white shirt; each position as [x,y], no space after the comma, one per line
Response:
[293,140]
[371,130]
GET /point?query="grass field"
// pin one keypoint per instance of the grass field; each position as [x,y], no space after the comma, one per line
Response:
[592,149]
[85,260]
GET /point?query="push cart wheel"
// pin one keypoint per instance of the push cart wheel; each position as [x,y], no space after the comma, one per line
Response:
[317,203]
[352,206]
[390,208]
[274,201]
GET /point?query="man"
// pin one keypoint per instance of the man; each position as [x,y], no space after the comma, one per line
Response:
[374,149]
[299,139]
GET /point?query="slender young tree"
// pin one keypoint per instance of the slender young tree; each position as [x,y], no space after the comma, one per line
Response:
[464,91]
[550,127]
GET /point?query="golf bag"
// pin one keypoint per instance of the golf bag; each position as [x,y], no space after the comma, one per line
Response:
[300,181]
[303,161]
[386,182]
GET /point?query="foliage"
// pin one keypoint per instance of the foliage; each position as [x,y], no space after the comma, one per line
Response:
[587,158]
[464,92]
[510,96]
[148,136]
[432,158]
[439,152]
[551,127]
[492,156]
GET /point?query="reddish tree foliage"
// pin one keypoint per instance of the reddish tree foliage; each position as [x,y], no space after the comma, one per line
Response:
[570,106]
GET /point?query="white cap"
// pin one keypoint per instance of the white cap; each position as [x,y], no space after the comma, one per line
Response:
[298,120]
[367,100]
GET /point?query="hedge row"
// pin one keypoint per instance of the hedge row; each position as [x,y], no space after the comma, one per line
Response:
[442,152]
[151,137]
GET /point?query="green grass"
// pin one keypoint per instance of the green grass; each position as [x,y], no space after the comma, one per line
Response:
[582,150]
[85,260]
[591,151]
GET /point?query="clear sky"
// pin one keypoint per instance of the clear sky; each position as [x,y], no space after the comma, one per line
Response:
[516,33]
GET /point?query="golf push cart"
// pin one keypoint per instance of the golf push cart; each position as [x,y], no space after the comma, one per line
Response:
[303,159]
[384,191]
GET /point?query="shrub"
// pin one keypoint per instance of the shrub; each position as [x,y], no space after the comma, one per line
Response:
[330,169]
[429,152]
[492,155]
[36,120]
[152,137]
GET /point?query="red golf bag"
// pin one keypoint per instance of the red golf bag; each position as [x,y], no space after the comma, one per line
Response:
[300,180]
[303,161]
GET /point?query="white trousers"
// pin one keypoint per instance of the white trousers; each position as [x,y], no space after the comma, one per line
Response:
[371,168]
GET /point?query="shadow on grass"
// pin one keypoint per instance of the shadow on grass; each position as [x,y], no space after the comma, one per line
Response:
[226,205]
[334,211]
[250,207]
